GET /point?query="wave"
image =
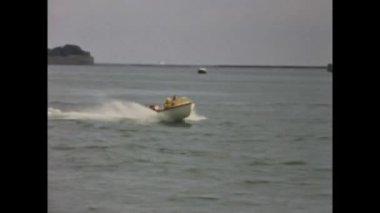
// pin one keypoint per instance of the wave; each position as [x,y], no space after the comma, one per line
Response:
[114,111]
[194,116]
[294,163]
[256,182]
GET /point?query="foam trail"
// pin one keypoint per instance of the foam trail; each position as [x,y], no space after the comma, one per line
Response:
[194,116]
[115,110]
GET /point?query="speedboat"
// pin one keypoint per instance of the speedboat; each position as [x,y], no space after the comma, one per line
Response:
[176,109]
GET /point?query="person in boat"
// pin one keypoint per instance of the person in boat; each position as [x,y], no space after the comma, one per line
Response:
[174,100]
[168,102]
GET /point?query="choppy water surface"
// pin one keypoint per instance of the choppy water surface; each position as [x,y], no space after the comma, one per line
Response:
[260,140]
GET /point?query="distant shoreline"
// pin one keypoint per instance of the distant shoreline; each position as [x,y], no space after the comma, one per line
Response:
[209,66]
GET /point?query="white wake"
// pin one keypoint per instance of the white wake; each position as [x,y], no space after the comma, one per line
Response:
[194,116]
[114,111]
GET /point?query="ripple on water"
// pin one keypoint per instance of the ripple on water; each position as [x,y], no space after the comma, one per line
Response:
[324,169]
[171,151]
[63,148]
[259,163]
[227,124]
[89,147]
[193,170]
[209,134]
[97,167]
[301,138]
[294,163]
[196,197]
[126,130]
[176,124]
[323,138]
[255,182]
[102,127]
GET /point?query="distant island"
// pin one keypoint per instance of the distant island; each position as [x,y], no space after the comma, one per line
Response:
[69,54]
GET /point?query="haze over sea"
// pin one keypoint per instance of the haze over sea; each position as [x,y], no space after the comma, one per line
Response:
[259,140]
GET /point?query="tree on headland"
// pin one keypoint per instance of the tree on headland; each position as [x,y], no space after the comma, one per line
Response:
[68,49]
[69,54]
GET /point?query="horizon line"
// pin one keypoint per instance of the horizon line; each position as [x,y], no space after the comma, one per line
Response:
[212,65]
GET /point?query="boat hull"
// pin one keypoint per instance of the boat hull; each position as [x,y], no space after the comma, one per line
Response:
[176,113]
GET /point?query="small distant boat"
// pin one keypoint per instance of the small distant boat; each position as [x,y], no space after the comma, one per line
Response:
[330,67]
[174,109]
[202,70]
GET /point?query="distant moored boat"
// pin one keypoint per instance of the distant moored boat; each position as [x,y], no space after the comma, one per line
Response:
[330,67]
[202,70]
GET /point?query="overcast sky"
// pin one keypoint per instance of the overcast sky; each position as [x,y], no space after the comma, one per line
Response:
[257,32]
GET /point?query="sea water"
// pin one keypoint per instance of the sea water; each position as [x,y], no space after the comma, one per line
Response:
[259,140]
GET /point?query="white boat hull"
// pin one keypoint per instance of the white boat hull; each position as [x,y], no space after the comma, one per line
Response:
[177,113]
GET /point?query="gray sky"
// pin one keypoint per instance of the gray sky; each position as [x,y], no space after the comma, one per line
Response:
[262,32]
